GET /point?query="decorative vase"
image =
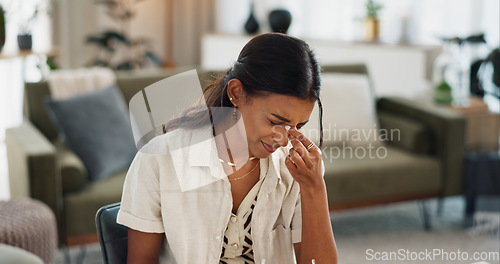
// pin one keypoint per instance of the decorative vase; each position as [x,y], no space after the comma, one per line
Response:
[251,26]
[24,41]
[372,27]
[279,20]
[2,28]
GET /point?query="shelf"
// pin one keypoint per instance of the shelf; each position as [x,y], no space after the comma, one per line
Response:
[27,53]
[396,69]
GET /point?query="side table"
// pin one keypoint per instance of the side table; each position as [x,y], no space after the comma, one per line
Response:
[482,159]
[23,54]
[483,126]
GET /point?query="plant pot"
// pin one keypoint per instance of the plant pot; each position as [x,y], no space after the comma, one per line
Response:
[442,93]
[372,27]
[24,41]
[2,28]
[280,20]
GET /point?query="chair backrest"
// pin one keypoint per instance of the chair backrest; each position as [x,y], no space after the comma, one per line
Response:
[112,236]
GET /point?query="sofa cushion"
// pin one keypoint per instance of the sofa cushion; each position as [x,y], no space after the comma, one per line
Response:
[407,134]
[354,178]
[349,113]
[81,207]
[96,126]
[67,83]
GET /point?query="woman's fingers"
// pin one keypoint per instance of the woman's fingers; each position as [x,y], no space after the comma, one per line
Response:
[302,152]
[304,163]
[307,143]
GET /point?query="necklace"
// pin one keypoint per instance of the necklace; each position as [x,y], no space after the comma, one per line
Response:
[236,164]
[246,174]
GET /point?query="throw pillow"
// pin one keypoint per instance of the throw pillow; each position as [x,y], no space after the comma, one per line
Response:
[96,126]
[349,114]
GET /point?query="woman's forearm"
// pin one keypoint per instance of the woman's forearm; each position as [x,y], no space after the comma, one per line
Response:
[143,247]
[317,242]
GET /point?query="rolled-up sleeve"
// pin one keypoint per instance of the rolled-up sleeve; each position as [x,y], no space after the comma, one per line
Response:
[141,202]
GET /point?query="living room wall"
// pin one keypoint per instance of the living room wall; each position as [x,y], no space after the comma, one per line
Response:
[328,19]
[343,19]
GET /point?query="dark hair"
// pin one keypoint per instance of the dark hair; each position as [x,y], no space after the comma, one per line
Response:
[269,63]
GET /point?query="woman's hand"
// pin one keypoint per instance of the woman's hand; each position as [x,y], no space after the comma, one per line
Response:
[305,165]
[304,161]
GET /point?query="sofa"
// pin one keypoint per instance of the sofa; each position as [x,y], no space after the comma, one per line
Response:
[426,162]
[431,168]
[41,166]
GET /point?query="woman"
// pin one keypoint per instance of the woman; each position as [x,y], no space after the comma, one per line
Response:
[228,187]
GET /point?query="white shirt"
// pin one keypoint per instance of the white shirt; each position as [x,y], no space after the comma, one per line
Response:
[237,246]
[193,210]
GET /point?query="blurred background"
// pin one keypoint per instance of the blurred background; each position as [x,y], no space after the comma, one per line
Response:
[431,70]
[175,32]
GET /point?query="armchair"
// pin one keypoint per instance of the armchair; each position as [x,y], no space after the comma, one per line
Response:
[426,161]
[42,167]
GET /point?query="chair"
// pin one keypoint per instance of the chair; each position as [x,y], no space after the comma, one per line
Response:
[112,236]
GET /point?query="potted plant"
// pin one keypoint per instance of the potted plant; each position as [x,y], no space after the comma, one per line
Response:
[24,36]
[117,49]
[372,24]
[26,14]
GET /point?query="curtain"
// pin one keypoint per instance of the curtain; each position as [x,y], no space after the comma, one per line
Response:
[191,19]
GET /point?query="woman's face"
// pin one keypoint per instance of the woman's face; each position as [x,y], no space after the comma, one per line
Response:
[265,118]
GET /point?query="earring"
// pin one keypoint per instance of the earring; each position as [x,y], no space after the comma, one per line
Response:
[231,98]
[235,115]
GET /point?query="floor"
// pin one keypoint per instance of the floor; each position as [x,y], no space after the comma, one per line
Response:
[362,232]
